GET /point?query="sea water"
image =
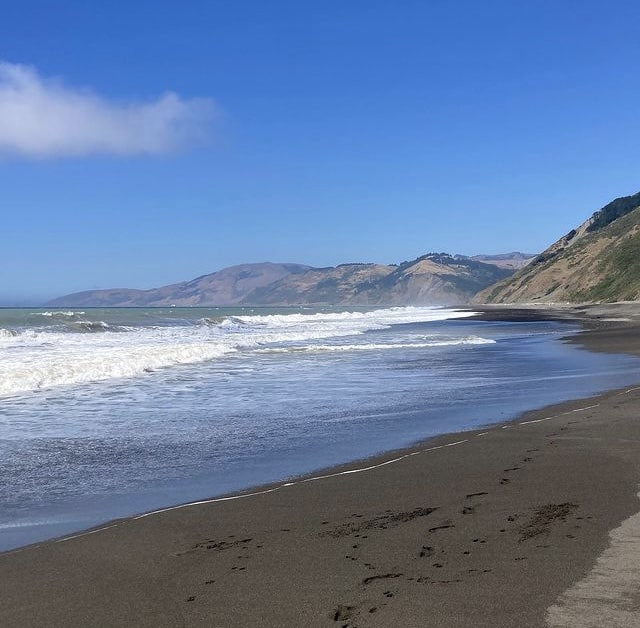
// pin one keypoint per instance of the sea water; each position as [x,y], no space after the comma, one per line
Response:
[106,413]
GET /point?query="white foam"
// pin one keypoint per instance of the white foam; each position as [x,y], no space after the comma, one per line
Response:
[39,358]
[58,314]
[468,340]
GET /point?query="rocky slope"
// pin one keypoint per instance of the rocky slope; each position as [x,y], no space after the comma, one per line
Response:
[513,260]
[599,261]
[433,279]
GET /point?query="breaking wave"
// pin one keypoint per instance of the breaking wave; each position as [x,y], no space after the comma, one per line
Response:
[93,326]
[453,342]
[59,314]
[83,351]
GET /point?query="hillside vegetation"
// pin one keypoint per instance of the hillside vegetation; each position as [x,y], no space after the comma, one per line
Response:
[597,262]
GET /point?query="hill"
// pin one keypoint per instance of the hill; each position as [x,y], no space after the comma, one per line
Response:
[433,279]
[599,261]
[225,287]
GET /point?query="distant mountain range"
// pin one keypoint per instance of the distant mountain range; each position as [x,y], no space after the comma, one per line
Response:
[433,279]
[595,262]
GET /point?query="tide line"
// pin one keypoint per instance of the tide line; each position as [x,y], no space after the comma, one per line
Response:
[547,418]
[595,405]
[270,490]
[75,536]
[555,416]
[211,501]
[315,478]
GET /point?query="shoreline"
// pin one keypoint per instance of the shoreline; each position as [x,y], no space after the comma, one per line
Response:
[169,533]
[483,313]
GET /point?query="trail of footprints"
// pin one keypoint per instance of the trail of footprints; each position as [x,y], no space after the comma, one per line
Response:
[431,559]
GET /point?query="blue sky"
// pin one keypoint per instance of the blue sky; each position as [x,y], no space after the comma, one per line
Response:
[317,132]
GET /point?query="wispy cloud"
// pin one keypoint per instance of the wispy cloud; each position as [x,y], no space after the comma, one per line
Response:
[42,117]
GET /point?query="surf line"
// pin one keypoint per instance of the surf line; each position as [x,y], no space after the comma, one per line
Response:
[281,486]
[75,536]
[555,416]
[256,493]
[303,481]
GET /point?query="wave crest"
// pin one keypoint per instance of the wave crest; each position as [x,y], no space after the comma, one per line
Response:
[59,314]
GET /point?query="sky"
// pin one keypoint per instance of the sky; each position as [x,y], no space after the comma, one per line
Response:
[147,143]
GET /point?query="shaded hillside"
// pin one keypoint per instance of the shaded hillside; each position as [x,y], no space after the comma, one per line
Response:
[597,261]
[513,260]
[103,298]
[433,279]
[225,287]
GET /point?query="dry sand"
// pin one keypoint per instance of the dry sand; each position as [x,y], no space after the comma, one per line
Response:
[529,523]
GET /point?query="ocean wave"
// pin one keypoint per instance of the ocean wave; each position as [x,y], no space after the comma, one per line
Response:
[80,367]
[383,317]
[80,352]
[59,314]
[92,326]
[208,322]
[233,322]
[468,340]
[227,322]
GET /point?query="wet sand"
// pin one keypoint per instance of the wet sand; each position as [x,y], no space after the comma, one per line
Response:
[498,527]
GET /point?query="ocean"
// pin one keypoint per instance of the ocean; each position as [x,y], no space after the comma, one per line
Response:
[106,413]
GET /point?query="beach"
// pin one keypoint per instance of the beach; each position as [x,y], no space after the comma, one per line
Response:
[491,527]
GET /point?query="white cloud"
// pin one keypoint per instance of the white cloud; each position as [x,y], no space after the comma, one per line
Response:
[41,117]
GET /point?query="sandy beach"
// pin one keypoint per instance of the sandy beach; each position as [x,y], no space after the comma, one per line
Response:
[528,523]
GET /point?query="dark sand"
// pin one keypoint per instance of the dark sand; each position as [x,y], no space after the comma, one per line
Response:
[489,531]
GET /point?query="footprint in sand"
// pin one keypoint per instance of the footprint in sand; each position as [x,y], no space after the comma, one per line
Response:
[343,612]
[385,576]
